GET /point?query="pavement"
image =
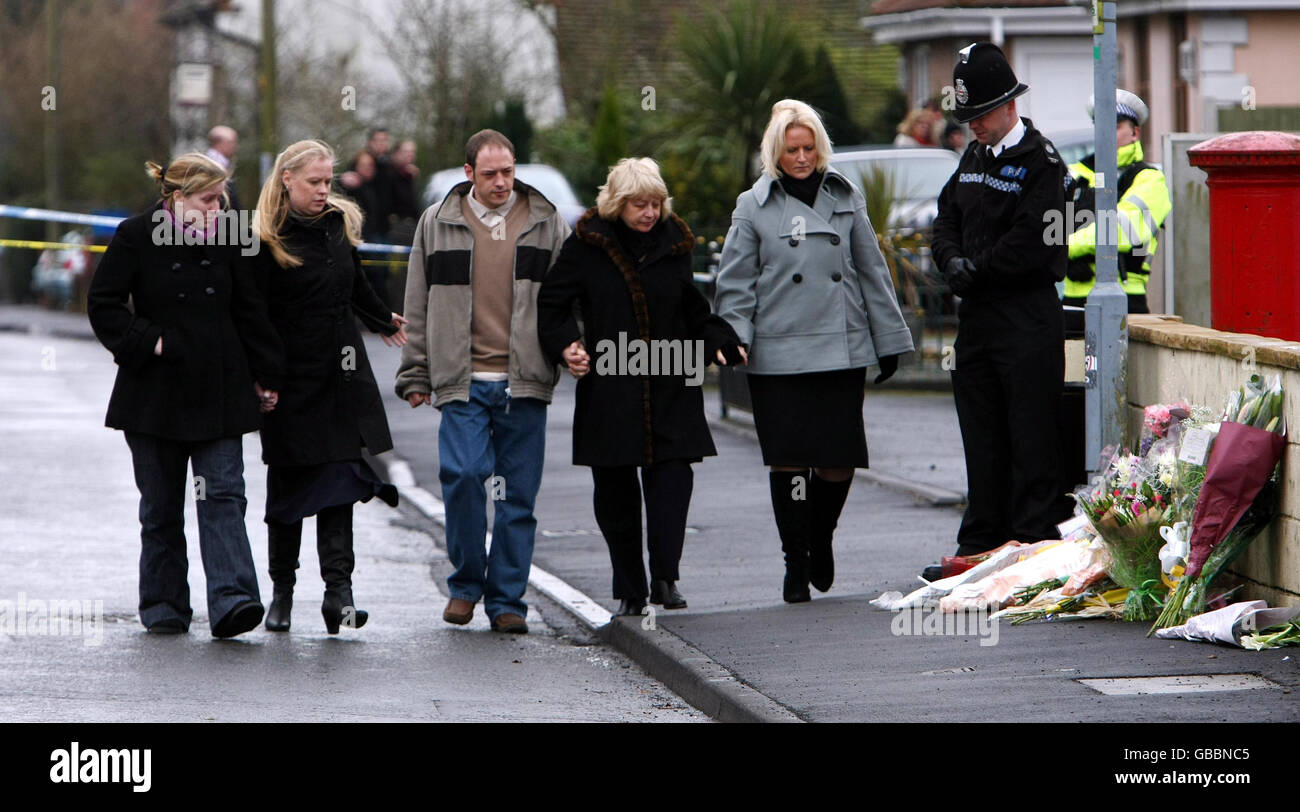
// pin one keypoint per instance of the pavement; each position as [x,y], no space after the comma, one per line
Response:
[739,653]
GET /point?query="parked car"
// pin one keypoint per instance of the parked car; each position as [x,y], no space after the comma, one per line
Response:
[1073,145]
[546,179]
[918,174]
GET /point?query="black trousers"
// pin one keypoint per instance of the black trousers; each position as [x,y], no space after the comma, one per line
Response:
[1007,384]
[667,490]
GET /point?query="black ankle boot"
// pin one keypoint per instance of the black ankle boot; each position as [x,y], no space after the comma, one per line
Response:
[283,542]
[628,607]
[790,506]
[825,502]
[665,594]
[334,546]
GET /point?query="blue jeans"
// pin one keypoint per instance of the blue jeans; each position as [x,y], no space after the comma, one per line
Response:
[223,539]
[491,437]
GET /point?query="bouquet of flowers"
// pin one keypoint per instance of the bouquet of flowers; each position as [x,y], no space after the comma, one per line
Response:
[1161,420]
[1237,497]
[1127,506]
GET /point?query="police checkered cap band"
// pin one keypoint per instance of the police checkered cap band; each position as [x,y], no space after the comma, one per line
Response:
[1127,105]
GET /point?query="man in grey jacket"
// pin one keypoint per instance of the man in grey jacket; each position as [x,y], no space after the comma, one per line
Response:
[476,266]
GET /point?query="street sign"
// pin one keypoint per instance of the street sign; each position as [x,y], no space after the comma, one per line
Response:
[193,83]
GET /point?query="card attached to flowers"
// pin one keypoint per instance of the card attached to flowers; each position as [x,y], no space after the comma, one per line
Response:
[1195,449]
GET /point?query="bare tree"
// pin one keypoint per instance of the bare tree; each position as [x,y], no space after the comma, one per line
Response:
[454,57]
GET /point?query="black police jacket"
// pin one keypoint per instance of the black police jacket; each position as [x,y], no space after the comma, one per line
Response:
[998,214]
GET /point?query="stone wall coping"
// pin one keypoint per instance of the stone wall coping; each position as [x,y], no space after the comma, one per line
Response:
[1173,332]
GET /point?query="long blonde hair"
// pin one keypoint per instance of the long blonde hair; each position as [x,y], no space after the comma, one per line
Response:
[189,174]
[273,202]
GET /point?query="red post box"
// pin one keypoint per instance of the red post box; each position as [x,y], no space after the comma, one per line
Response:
[1254,180]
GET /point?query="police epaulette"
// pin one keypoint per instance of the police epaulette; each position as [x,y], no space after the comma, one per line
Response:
[1051,152]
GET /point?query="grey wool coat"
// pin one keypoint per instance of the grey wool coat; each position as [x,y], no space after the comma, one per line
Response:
[807,288]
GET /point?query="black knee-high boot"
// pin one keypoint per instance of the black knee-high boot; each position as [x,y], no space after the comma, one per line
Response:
[790,506]
[334,545]
[283,542]
[825,502]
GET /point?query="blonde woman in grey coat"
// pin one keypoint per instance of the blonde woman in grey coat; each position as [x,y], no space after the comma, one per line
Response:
[805,287]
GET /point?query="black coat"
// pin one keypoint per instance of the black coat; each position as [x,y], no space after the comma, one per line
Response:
[329,404]
[624,419]
[203,302]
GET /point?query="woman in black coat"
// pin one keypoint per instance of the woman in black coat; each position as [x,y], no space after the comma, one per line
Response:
[329,405]
[189,348]
[647,333]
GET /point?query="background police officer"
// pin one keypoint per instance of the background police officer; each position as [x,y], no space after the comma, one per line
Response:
[990,241]
[1142,209]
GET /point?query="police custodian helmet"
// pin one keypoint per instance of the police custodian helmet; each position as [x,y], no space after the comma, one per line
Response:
[983,81]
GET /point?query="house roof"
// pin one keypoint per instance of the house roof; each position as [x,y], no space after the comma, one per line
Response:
[1128,8]
[901,21]
[896,6]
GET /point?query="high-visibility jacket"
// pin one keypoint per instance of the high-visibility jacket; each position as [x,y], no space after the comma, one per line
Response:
[1142,209]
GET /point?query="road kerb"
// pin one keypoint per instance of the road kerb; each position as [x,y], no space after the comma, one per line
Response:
[680,666]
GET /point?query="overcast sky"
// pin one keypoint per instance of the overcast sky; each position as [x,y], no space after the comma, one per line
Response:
[343,25]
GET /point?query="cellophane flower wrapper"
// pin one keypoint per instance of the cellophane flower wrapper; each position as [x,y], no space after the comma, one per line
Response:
[1237,497]
[1245,455]
[1127,506]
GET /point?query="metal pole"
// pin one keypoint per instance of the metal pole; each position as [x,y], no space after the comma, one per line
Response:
[52,59]
[1106,312]
[267,135]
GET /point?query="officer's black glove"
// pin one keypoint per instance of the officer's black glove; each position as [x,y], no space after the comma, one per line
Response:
[888,366]
[1079,270]
[959,273]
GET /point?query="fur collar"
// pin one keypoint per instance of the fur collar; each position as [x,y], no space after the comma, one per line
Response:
[596,230]
[677,241]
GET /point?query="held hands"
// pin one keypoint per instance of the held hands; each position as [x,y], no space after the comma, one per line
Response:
[733,354]
[399,338]
[418,399]
[959,273]
[267,399]
[577,359]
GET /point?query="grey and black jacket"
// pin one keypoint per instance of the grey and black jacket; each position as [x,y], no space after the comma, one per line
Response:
[439,300]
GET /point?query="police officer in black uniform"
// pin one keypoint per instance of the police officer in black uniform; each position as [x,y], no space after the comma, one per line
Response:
[990,242]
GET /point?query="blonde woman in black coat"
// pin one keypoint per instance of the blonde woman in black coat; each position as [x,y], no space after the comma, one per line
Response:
[627,268]
[188,348]
[329,405]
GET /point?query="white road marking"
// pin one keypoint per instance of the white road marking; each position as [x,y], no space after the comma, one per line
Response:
[592,614]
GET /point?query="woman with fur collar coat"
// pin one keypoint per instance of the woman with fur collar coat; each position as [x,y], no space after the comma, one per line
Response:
[621,310]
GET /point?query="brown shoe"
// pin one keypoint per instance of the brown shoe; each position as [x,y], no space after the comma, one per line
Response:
[458,611]
[509,624]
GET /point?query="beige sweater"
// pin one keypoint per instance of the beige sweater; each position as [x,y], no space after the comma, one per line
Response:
[492,282]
